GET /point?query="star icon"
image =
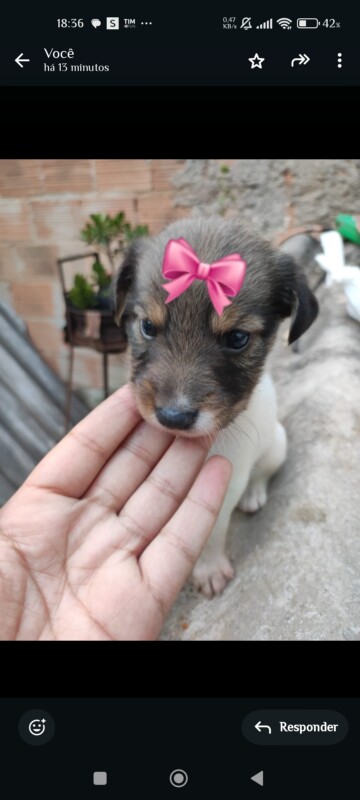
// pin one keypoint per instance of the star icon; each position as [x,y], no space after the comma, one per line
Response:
[256,61]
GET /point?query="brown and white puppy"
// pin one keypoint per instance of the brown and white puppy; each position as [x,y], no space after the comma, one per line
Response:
[197,373]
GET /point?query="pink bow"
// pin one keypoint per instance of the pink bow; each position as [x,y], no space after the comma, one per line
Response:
[223,277]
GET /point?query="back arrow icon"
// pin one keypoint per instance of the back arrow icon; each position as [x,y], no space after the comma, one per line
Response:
[19,60]
[258,727]
[303,59]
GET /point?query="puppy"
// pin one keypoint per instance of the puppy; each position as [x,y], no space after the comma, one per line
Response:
[198,372]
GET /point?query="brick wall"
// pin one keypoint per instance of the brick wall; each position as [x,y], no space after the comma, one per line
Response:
[44,205]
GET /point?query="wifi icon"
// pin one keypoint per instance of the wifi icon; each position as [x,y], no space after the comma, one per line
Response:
[284,22]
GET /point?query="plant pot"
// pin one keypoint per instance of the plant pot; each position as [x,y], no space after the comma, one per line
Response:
[104,300]
[94,328]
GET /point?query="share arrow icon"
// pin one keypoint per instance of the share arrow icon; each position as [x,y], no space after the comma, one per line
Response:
[303,59]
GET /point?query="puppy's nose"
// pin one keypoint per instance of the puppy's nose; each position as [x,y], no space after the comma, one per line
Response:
[176,418]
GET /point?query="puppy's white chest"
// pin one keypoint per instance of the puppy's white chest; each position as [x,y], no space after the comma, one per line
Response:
[245,440]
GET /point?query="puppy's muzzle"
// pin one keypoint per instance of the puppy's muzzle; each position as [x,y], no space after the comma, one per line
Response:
[176,417]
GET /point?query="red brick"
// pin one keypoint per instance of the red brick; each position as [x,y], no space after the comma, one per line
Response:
[59,304]
[15,223]
[180,212]
[45,335]
[61,362]
[33,299]
[87,368]
[36,260]
[118,370]
[129,175]
[61,175]
[111,206]
[52,360]
[19,178]
[8,264]
[73,247]
[162,172]
[57,220]
[155,210]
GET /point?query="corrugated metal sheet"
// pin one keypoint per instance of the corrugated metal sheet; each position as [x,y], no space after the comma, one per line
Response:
[32,403]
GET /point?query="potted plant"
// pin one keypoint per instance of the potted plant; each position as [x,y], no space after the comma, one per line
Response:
[111,234]
[88,303]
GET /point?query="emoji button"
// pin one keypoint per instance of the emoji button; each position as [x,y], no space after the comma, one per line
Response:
[36,727]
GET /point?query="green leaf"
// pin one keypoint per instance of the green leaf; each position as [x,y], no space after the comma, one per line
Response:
[134,233]
[82,294]
[101,277]
[104,230]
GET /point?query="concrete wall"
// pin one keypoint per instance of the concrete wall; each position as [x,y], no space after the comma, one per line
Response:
[271,194]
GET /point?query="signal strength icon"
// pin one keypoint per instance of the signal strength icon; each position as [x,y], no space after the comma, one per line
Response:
[268,24]
[284,22]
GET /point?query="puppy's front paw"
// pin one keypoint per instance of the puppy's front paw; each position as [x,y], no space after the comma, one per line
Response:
[254,497]
[212,574]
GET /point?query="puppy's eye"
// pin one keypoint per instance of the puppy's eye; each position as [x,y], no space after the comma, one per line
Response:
[236,340]
[148,329]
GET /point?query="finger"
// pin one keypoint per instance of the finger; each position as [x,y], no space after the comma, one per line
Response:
[156,500]
[73,464]
[171,556]
[129,466]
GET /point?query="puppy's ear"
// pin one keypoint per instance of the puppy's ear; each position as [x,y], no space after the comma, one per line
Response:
[123,281]
[306,309]
[298,299]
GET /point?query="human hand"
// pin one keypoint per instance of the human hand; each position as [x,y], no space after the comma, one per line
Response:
[99,540]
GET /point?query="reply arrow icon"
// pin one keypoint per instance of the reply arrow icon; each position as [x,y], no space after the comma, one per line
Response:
[303,59]
[258,727]
[20,59]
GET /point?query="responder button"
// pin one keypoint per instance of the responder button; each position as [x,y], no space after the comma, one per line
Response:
[294,726]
